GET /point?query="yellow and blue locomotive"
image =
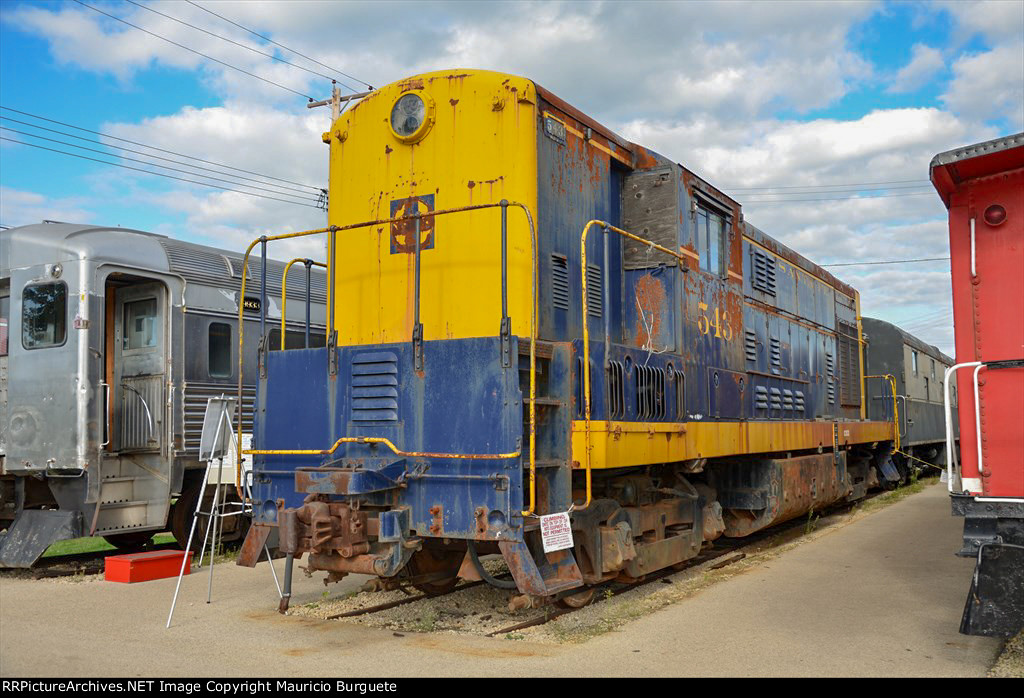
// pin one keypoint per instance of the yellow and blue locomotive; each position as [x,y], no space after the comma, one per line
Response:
[528,316]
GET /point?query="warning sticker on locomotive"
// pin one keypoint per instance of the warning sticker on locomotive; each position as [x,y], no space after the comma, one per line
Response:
[556,532]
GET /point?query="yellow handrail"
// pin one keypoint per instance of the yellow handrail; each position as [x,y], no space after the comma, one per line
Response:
[330,327]
[586,332]
[895,407]
[386,442]
[284,290]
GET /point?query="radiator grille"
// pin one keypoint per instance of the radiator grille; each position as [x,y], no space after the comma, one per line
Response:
[595,296]
[616,389]
[650,392]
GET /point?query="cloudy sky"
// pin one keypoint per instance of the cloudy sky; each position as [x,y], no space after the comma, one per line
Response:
[799,110]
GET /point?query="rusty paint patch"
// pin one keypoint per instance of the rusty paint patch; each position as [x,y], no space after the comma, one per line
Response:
[653,304]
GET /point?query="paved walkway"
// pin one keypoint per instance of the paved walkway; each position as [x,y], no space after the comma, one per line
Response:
[881,596]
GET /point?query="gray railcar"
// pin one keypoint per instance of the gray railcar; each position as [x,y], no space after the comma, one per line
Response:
[111,342]
[917,369]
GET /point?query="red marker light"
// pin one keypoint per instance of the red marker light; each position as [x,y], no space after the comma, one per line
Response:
[995,215]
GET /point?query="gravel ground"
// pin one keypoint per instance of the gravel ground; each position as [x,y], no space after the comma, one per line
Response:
[1010,664]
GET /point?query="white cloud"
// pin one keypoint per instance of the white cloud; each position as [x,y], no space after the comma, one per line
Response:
[20,207]
[924,63]
[989,85]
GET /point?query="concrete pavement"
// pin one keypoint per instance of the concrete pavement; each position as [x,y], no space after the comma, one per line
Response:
[880,596]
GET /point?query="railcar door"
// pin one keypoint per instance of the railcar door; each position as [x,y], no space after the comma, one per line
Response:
[140,366]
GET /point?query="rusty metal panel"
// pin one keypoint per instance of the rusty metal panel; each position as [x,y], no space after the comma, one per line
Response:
[650,209]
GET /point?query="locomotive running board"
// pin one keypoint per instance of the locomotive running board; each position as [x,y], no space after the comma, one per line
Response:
[33,531]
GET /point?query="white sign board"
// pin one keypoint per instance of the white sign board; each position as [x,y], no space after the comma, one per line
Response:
[556,532]
[227,477]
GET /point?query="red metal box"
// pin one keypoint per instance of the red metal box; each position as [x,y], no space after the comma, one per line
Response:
[142,567]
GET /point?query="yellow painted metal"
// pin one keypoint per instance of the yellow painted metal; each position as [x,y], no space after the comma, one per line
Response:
[480,148]
[606,227]
[623,444]
[284,291]
[379,440]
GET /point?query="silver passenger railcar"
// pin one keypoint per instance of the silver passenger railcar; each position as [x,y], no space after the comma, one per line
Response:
[111,342]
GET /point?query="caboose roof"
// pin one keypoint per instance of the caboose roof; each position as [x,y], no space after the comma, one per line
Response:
[954,167]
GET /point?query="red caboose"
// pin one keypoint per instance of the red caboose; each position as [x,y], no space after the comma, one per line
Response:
[983,187]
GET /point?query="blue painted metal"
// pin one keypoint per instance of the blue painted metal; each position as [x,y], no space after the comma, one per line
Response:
[463,402]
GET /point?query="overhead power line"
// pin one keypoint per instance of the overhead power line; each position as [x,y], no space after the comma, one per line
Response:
[820,186]
[161,150]
[147,162]
[849,190]
[840,198]
[157,174]
[280,189]
[888,261]
[236,43]
[198,53]
[291,50]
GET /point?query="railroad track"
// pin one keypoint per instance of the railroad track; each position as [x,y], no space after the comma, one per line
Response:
[724,552]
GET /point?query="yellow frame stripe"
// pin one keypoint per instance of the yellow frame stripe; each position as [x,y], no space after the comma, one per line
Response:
[621,444]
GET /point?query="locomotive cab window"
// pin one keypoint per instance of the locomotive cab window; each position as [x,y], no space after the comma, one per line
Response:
[44,315]
[710,235]
[140,324]
[220,350]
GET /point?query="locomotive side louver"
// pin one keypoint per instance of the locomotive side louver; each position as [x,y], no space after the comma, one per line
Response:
[595,295]
[560,281]
[763,272]
[375,387]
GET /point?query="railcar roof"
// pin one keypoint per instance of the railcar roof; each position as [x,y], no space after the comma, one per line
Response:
[41,243]
[950,169]
[927,349]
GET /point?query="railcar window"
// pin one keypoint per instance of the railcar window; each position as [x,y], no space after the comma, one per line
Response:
[5,312]
[140,324]
[296,339]
[220,350]
[710,231]
[933,369]
[44,315]
[913,361]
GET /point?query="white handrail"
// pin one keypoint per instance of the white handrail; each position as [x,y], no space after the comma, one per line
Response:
[951,463]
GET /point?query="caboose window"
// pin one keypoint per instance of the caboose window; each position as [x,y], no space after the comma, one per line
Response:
[220,350]
[44,315]
[913,361]
[140,324]
[710,232]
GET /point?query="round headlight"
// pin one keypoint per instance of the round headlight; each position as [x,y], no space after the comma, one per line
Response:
[408,115]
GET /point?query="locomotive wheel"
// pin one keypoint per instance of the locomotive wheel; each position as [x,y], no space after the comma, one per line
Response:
[431,561]
[579,599]
[130,542]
